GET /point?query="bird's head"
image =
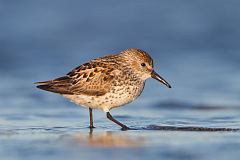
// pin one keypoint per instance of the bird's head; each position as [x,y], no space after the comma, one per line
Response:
[142,64]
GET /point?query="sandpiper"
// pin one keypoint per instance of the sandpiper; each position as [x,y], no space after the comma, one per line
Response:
[107,82]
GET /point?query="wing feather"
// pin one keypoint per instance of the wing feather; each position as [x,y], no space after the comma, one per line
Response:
[93,78]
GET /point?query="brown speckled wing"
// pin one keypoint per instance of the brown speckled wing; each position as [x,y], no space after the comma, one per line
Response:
[93,78]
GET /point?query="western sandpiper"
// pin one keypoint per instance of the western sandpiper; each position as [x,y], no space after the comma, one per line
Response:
[107,82]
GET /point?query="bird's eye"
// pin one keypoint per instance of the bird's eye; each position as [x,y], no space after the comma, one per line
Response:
[143,64]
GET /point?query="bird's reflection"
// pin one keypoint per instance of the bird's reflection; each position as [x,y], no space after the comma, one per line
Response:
[108,139]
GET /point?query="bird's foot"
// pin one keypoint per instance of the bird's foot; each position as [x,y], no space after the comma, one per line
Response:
[125,128]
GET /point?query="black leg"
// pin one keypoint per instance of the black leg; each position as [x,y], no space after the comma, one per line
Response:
[91,118]
[109,116]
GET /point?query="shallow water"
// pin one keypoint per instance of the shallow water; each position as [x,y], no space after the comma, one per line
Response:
[157,133]
[195,46]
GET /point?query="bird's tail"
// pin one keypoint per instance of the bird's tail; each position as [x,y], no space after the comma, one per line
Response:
[60,85]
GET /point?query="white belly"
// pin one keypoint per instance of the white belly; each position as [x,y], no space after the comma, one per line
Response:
[117,97]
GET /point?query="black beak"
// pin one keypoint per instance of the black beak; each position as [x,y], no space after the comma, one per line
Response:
[160,79]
